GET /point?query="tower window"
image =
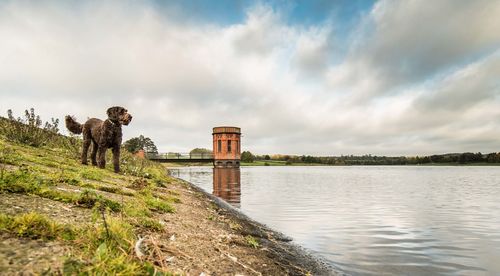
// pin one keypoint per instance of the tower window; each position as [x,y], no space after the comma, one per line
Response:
[228,145]
[219,145]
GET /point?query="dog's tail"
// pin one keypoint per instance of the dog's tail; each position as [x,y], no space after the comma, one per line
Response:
[73,125]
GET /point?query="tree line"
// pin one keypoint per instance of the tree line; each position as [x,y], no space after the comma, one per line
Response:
[368,159]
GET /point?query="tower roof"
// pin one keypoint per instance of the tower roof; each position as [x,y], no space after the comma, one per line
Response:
[226,129]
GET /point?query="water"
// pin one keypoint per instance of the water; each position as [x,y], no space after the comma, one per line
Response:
[374,220]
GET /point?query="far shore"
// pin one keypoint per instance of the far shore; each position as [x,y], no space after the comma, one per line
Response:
[273,163]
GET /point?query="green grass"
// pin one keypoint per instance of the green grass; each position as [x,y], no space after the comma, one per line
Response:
[92,173]
[104,252]
[41,169]
[35,226]
[159,205]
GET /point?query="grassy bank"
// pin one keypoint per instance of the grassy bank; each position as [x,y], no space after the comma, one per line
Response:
[60,217]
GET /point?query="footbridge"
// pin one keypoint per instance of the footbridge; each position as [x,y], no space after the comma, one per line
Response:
[181,157]
[226,150]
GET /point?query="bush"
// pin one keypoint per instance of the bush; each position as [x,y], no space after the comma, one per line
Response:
[29,130]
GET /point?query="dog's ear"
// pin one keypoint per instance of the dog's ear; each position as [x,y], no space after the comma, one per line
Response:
[114,113]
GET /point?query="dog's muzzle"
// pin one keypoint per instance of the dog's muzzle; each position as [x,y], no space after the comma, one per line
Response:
[127,119]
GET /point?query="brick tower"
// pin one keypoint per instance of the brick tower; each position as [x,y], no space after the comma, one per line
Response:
[227,147]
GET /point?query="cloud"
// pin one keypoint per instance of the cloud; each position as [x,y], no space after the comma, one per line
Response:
[406,42]
[414,79]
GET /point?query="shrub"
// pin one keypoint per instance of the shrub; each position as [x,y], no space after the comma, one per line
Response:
[29,130]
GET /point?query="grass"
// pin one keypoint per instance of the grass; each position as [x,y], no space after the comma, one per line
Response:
[151,224]
[103,246]
[35,226]
[105,252]
[252,241]
[92,173]
[159,205]
[25,181]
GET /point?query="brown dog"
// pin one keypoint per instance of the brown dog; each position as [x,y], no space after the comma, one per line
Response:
[103,135]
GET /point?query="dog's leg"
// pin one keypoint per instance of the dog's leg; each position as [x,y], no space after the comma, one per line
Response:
[93,154]
[101,157]
[116,158]
[86,144]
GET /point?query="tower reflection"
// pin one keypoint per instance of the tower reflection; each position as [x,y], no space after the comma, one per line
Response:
[227,185]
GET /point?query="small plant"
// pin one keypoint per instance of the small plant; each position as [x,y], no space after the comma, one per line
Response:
[252,241]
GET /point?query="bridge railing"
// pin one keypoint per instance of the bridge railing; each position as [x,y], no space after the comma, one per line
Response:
[180,155]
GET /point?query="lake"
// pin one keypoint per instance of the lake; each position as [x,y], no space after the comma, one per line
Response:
[391,220]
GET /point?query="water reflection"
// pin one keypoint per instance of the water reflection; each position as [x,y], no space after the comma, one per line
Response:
[227,185]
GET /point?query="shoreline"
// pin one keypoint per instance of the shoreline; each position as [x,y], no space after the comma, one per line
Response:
[296,259]
[93,221]
[261,164]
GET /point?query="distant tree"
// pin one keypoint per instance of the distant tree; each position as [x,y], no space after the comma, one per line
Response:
[199,151]
[133,145]
[247,157]
[267,157]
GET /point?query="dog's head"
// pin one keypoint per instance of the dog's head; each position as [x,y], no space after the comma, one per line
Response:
[119,114]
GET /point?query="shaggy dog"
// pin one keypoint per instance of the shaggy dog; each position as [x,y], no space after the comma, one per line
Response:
[103,135]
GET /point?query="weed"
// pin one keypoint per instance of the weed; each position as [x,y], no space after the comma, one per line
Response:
[252,241]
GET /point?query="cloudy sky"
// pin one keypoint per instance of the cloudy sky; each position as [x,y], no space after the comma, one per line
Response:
[306,77]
